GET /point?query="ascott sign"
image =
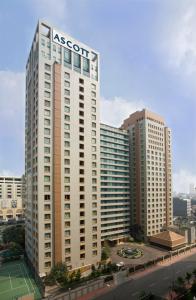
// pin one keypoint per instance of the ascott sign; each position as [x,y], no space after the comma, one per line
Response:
[69,43]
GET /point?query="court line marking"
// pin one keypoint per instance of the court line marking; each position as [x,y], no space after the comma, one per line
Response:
[10,281]
[28,278]
[19,287]
[25,280]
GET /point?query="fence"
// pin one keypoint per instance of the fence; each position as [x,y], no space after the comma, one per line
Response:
[78,292]
[133,269]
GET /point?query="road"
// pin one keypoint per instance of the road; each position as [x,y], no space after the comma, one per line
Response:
[156,280]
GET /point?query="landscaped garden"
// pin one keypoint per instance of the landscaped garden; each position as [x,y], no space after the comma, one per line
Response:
[131,253]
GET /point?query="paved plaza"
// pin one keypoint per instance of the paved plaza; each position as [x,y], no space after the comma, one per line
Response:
[149,253]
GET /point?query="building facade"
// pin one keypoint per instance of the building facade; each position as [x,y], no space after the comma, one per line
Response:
[11,200]
[62,152]
[115,184]
[150,172]
[181,207]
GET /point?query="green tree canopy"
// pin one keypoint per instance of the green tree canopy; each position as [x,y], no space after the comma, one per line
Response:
[16,234]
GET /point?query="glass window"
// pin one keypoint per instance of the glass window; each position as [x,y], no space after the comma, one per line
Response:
[67,101]
[47,67]
[67,109]
[67,75]
[47,112]
[47,85]
[47,76]
[77,60]
[47,94]
[67,55]
[46,141]
[67,83]
[47,131]
[46,122]
[86,65]
[67,92]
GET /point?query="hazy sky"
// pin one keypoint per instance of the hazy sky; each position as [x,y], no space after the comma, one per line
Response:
[148,59]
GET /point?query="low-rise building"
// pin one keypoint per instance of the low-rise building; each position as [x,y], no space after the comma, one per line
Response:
[11,204]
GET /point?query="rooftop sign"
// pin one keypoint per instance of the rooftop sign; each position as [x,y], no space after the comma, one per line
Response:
[69,43]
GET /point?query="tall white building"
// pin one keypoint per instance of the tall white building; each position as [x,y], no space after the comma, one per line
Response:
[62,152]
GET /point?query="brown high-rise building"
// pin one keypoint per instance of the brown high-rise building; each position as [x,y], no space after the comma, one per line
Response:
[150,171]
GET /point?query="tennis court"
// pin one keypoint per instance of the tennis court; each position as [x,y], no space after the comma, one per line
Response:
[16,281]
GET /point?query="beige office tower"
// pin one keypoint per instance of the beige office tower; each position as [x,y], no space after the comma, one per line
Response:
[62,152]
[150,172]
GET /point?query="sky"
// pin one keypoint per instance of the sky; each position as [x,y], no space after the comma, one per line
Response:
[148,60]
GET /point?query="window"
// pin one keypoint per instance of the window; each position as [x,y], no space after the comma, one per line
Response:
[47,103]
[47,67]
[67,101]
[81,81]
[46,141]
[46,169]
[47,94]
[66,161]
[46,159]
[81,89]
[66,144]
[67,92]
[93,86]
[46,131]
[46,122]
[77,60]
[47,85]
[66,179]
[67,153]
[67,56]
[46,178]
[47,112]
[93,94]
[46,150]
[86,65]
[66,126]
[47,76]
[67,84]
[67,75]
[67,109]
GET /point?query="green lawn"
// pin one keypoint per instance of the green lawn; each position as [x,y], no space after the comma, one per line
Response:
[16,281]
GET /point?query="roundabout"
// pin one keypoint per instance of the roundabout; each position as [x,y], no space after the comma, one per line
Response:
[131,253]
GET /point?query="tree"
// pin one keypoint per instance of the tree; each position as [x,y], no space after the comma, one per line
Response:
[188,277]
[104,254]
[58,274]
[14,234]
[194,273]
[179,286]
[78,275]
